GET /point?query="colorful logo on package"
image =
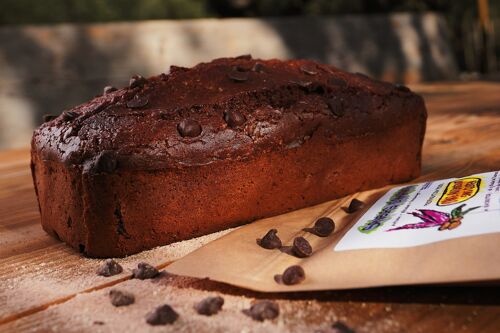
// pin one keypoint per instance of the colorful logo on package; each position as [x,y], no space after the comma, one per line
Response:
[396,200]
[459,190]
[432,218]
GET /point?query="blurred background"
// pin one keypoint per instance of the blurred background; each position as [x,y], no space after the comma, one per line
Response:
[55,54]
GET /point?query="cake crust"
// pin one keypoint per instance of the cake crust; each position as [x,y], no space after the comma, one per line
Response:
[198,150]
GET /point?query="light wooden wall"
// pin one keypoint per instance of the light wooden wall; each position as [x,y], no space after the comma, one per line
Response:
[45,69]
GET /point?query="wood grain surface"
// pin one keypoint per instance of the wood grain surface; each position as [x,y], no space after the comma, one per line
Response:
[47,287]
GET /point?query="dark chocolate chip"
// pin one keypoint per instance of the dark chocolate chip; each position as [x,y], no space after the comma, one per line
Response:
[340,327]
[336,106]
[293,275]
[301,247]
[237,76]
[162,315]
[234,118]
[324,227]
[136,81]
[258,67]
[106,162]
[355,205]
[270,240]
[48,117]
[209,306]
[402,88]
[364,76]
[138,102]
[244,57]
[303,84]
[71,131]
[263,310]
[144,271]
[317,88]
[167,114]
[69,115]
[189,128]
[109,268]
[309,69]
[175,69]
[335,81]
[121,298]
[109,89]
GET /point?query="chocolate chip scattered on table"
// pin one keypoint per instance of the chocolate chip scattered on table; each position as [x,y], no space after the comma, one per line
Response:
[270,240]
[121,298]
[109,268]
[263,310]
[209,306]
[355,205]
[301,247]
[293,275]
[144,271]
[162,315]
[323,227]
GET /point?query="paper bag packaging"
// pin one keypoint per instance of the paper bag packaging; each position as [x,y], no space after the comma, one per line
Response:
[442,231]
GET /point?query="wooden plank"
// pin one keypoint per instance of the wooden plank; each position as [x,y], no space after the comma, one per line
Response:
[39,277]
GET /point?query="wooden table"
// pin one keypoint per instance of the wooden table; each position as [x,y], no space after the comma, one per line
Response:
[46,286]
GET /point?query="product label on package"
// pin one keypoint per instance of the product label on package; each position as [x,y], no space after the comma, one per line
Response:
[429,212]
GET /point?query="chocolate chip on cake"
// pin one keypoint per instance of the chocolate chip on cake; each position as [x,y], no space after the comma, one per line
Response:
[244,57]
[176,69]
[340,327]
[293,275]
[364,76]
[270,240]
[162,315]
[237,75]
[337,82]
[303,84]
[106,162]
[209,306]
[144,271]
[301,247]
[48,117]
[121,298]
[263,310]
[189,128]
[109,89]
[258,67]
[136,81]
[69,115]
[309,69]
[138,102]
[109,268]
[402,88]
[336,106]
[234,118]
[355,205]
[323,227]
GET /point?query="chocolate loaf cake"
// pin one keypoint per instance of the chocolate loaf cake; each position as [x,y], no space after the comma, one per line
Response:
[223,143]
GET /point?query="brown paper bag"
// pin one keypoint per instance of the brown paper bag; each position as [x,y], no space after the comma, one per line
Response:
[349,258]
